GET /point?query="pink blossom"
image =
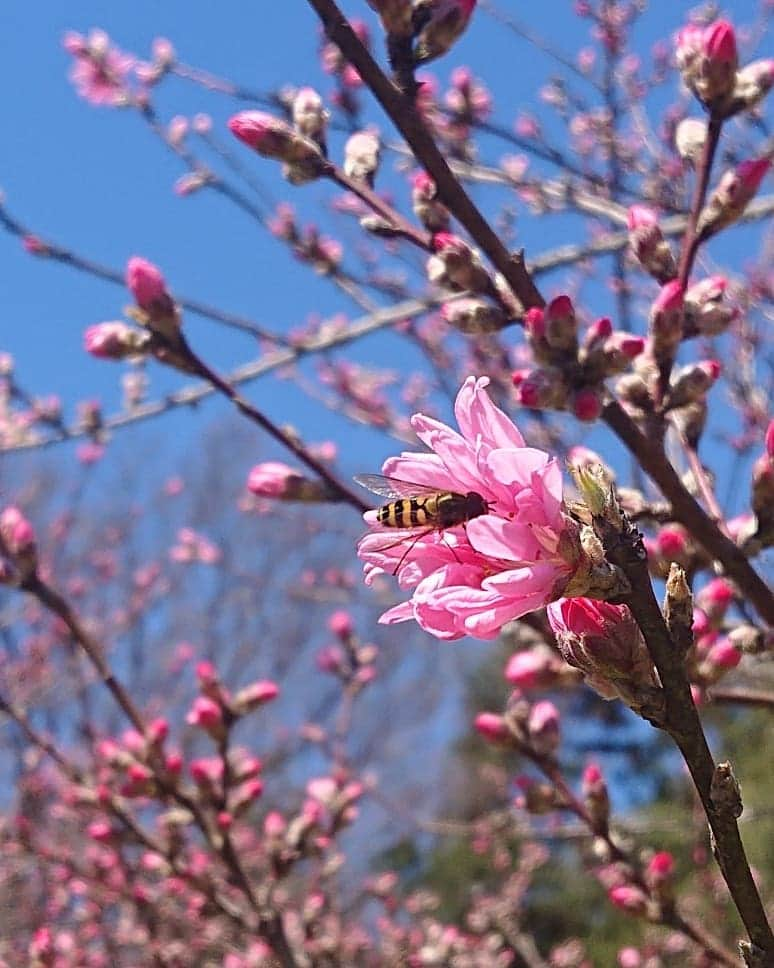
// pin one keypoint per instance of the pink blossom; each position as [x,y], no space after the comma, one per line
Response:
[254,695]
[205,713]
[100,72]
[341,624]
[629,898]
[492,727]
[502,564]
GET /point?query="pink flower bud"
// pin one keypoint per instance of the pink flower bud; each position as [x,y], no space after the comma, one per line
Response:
[492,727]
[666,318]
[672,543]
[445,23]
[543,727]
[206,714]
[158,730]
[473,316]
[114,341]
[595,795]
[587,404]
[101,831]
[455,265]
[146,284]
[660,868]
[648,244]
[534,797]
[714,599]
[206,772]
[341,624]
[255,695]
[274,824]
[532,669]
[719,43]
[274,138]
[724,655]
[605,643]
[640,216]
[629,898]
[274,479]
[734,191]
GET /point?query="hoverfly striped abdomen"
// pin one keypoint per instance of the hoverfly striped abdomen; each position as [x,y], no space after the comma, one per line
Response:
[418,506]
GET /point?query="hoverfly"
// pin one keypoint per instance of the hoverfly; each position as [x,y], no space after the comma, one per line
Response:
[418,506]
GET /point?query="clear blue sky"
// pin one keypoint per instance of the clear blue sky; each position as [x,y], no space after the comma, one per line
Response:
[96,180]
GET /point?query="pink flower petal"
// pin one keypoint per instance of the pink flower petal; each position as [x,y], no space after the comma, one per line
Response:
[499,538]
[478,416]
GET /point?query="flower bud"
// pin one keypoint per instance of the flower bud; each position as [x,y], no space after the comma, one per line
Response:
[273,479]
[708,60]
[587,404]
[492,727]
[536,668]
[455,265]
[648,244]
[207,715]
[255,695]
[666,318]
[542,389]
[361,156]
[245,795]
[753,83]
[561,325]
[115,341]
[691,383]
[629,898]
[274,138]
[705,312]
[595,796]
[605,643]
[715,598]
[733,193]
[474,316]
[432,213]
[690,135]
[17,540]
[441,25]
[341,624]
[309,114]
[146,284]
[543,728]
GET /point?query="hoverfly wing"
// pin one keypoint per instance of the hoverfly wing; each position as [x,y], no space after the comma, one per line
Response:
[393,488]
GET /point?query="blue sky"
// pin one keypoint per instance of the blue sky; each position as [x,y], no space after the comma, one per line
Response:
[96,180]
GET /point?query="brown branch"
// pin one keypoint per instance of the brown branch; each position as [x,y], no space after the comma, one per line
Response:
[689,512]
[743,697]
[410,124]
[714,783]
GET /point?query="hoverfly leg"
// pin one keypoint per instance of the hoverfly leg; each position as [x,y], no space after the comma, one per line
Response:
[410,548]
[451,547]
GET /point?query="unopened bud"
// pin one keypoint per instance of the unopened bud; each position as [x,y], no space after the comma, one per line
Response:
[535,797]
[456,266]
[706,313]
[432,213]
[542,389]
[595,796]
[648,244]
[753,83]
[255,695]
[361,156]
[734,191]
[690,135]
[474,316]
[691,383]
[274,138]
[561,325]
[442,24]
[543,728]
[115,341]
[309,114]
[276,480]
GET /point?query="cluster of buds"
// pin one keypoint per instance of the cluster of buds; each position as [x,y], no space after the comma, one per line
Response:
[193,547]
[571,376]
[349,660]
[708,60]
[323,254]
[523,726]
[605,643]
[18,547]
[648,245]
[348,80]
[273,137]
[278,481]
[431,212]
